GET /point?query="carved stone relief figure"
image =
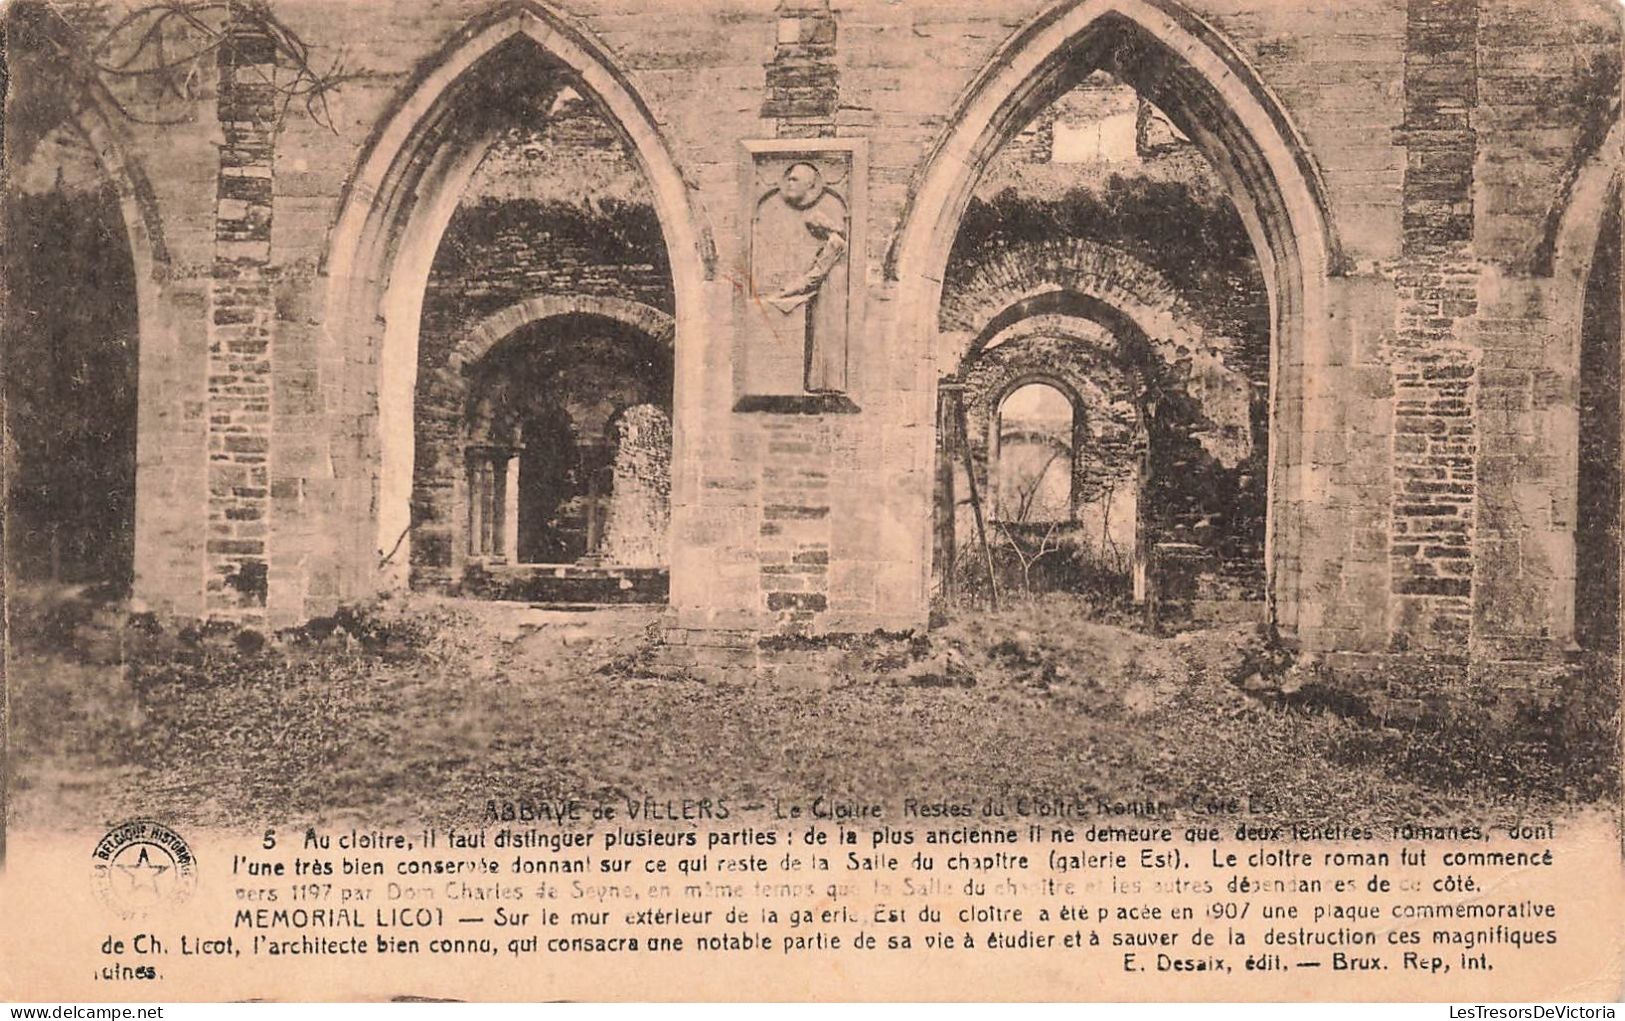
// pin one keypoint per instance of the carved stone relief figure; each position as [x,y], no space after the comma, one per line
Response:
[799,284]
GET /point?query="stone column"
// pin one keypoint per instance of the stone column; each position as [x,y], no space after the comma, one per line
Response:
[636,531]
[509,536]
[476,505]
[239,364]
[1435,370]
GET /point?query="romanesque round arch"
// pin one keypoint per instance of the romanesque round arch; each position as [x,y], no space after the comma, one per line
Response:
[1123,287]
[1063,383]
[393,213]
[1083,361]
[1207,88]
[1225,428]
[1075,380]
[491,330]
[986,414]
[1089,396]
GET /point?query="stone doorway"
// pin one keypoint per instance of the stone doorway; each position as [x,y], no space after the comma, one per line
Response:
[566,447]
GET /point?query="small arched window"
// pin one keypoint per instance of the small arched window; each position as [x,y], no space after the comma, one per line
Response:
[1032,470]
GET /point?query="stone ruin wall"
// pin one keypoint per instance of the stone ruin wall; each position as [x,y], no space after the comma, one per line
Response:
[1426,508]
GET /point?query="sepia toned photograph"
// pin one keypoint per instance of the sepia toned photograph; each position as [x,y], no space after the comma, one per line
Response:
[1126,432]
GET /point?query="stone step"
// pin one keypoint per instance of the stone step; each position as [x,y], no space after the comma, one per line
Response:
[568,586]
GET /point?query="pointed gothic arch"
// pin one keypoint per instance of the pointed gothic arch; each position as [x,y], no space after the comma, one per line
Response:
[393,213]
[143,227]
[1575,241]
[1598,185]
[1185,67]
[90,113]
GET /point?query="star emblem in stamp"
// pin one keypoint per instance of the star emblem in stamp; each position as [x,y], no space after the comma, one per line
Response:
[141,866]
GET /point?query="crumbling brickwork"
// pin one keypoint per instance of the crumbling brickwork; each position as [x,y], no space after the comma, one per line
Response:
[1434,369]
[803,78]
[241,379]
[1199,395]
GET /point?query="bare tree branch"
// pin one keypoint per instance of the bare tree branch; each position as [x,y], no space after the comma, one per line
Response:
[1026,559]
[166,46]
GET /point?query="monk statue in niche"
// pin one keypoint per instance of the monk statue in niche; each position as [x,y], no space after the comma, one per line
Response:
[799,285]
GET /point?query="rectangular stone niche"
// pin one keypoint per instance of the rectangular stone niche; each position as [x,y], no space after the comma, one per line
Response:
[800,313]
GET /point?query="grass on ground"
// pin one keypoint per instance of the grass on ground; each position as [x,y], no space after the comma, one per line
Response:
[421,709]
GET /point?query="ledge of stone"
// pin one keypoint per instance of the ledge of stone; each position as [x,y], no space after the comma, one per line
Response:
[796,404]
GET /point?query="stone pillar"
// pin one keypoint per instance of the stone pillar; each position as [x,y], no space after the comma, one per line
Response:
[493,502]
[477,500]
[796,534]
[508,542]
[950,394]
[1142,551]
[801,440]
[1435,369]
[639,522]
[239,366]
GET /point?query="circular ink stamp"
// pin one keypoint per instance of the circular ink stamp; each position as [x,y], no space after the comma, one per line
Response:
[140,866]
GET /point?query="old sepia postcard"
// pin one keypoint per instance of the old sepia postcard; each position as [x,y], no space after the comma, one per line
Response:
[812,499]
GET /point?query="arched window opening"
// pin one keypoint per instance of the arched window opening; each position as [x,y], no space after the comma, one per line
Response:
[567,447]
[1034,459]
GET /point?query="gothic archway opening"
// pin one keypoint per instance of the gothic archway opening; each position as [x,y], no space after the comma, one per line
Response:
[518,165]
[1597,532]
[71,342]
[555,243]
[1101,247]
